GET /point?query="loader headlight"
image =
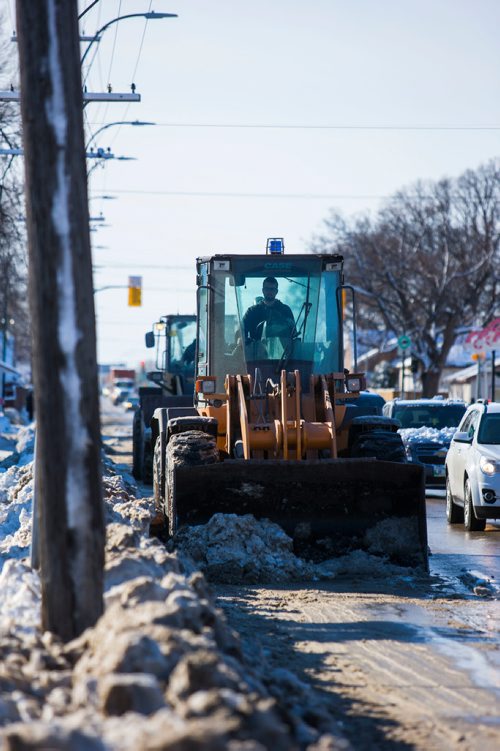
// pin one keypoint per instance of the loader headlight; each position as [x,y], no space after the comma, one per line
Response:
[488,466]
[353,383]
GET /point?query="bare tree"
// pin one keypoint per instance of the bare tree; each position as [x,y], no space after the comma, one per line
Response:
[14,316]
[427,265]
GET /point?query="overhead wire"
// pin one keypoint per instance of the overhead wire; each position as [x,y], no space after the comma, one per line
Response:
[283,126]
[215,194]
[134,72]
[139,55]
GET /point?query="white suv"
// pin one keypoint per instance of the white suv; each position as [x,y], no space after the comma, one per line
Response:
[473,468]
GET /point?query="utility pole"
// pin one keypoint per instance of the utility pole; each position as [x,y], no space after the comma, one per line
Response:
[68,471]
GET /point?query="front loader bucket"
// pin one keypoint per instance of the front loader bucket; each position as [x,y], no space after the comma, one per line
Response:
[329,507]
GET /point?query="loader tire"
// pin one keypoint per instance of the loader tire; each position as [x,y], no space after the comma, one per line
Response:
[147,462]
[158,491]
[158,527]
[189,449]
[382,444]
[137,444]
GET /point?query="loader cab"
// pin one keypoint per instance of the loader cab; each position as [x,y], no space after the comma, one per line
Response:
[230,285]
[174,337]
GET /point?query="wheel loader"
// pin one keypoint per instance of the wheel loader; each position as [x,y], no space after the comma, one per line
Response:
[173,336]
[273,429]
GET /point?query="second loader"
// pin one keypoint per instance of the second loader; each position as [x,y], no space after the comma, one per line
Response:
[173,336]
[273,430]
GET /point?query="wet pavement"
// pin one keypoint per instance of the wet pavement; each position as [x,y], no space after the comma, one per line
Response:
[471,557]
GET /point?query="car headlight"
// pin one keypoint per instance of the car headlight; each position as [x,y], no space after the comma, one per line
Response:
[488,466]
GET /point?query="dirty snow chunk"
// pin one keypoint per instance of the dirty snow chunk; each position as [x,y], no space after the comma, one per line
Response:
[20,598]
[12,482]
[232,549]
[425,434]
[46,736]
[481,584]
[139,692]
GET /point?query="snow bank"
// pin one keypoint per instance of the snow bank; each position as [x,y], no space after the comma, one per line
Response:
[235,549]
[16,495]
[161,668]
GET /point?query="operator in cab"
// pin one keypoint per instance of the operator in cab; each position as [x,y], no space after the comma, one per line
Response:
[270,313]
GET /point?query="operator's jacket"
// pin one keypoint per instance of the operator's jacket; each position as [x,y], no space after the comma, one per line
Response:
[277,315]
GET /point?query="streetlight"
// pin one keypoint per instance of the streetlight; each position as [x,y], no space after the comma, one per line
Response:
[149,16]
[110,125]
[99,162]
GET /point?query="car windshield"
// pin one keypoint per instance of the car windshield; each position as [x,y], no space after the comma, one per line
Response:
[489,430]
[439,417]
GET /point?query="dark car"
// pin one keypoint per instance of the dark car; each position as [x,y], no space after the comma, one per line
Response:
[427,427]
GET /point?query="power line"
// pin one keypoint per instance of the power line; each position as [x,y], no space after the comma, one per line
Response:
[213,194]
[138,264]
[277,126]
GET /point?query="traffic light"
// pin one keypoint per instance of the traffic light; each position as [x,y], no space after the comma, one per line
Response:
[135,291]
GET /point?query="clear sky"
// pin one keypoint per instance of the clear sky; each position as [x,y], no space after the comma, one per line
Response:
[387,92]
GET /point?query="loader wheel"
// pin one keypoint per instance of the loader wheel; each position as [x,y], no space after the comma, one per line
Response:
[158,527]
[189,449]
[471,522]
[147,462]
[157,484]
[454,514]
[382,444]
[137,444]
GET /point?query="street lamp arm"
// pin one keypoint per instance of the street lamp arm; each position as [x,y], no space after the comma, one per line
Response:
[111,286]
[149,16]
[110,125]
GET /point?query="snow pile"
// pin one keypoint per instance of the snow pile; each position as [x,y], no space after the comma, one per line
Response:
[20,598]
[424,435]
[161,668]
[233,549]
[25,445]
[16,493]
[17,445]
[236,549]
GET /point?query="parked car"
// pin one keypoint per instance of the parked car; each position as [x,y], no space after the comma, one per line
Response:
[427,427]
[473,468]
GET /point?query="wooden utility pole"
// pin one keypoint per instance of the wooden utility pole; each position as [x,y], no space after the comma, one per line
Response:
[68,472]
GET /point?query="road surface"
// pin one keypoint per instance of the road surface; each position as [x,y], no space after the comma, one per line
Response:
[401,662]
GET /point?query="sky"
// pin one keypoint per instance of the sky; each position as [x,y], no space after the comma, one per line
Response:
[268,115]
